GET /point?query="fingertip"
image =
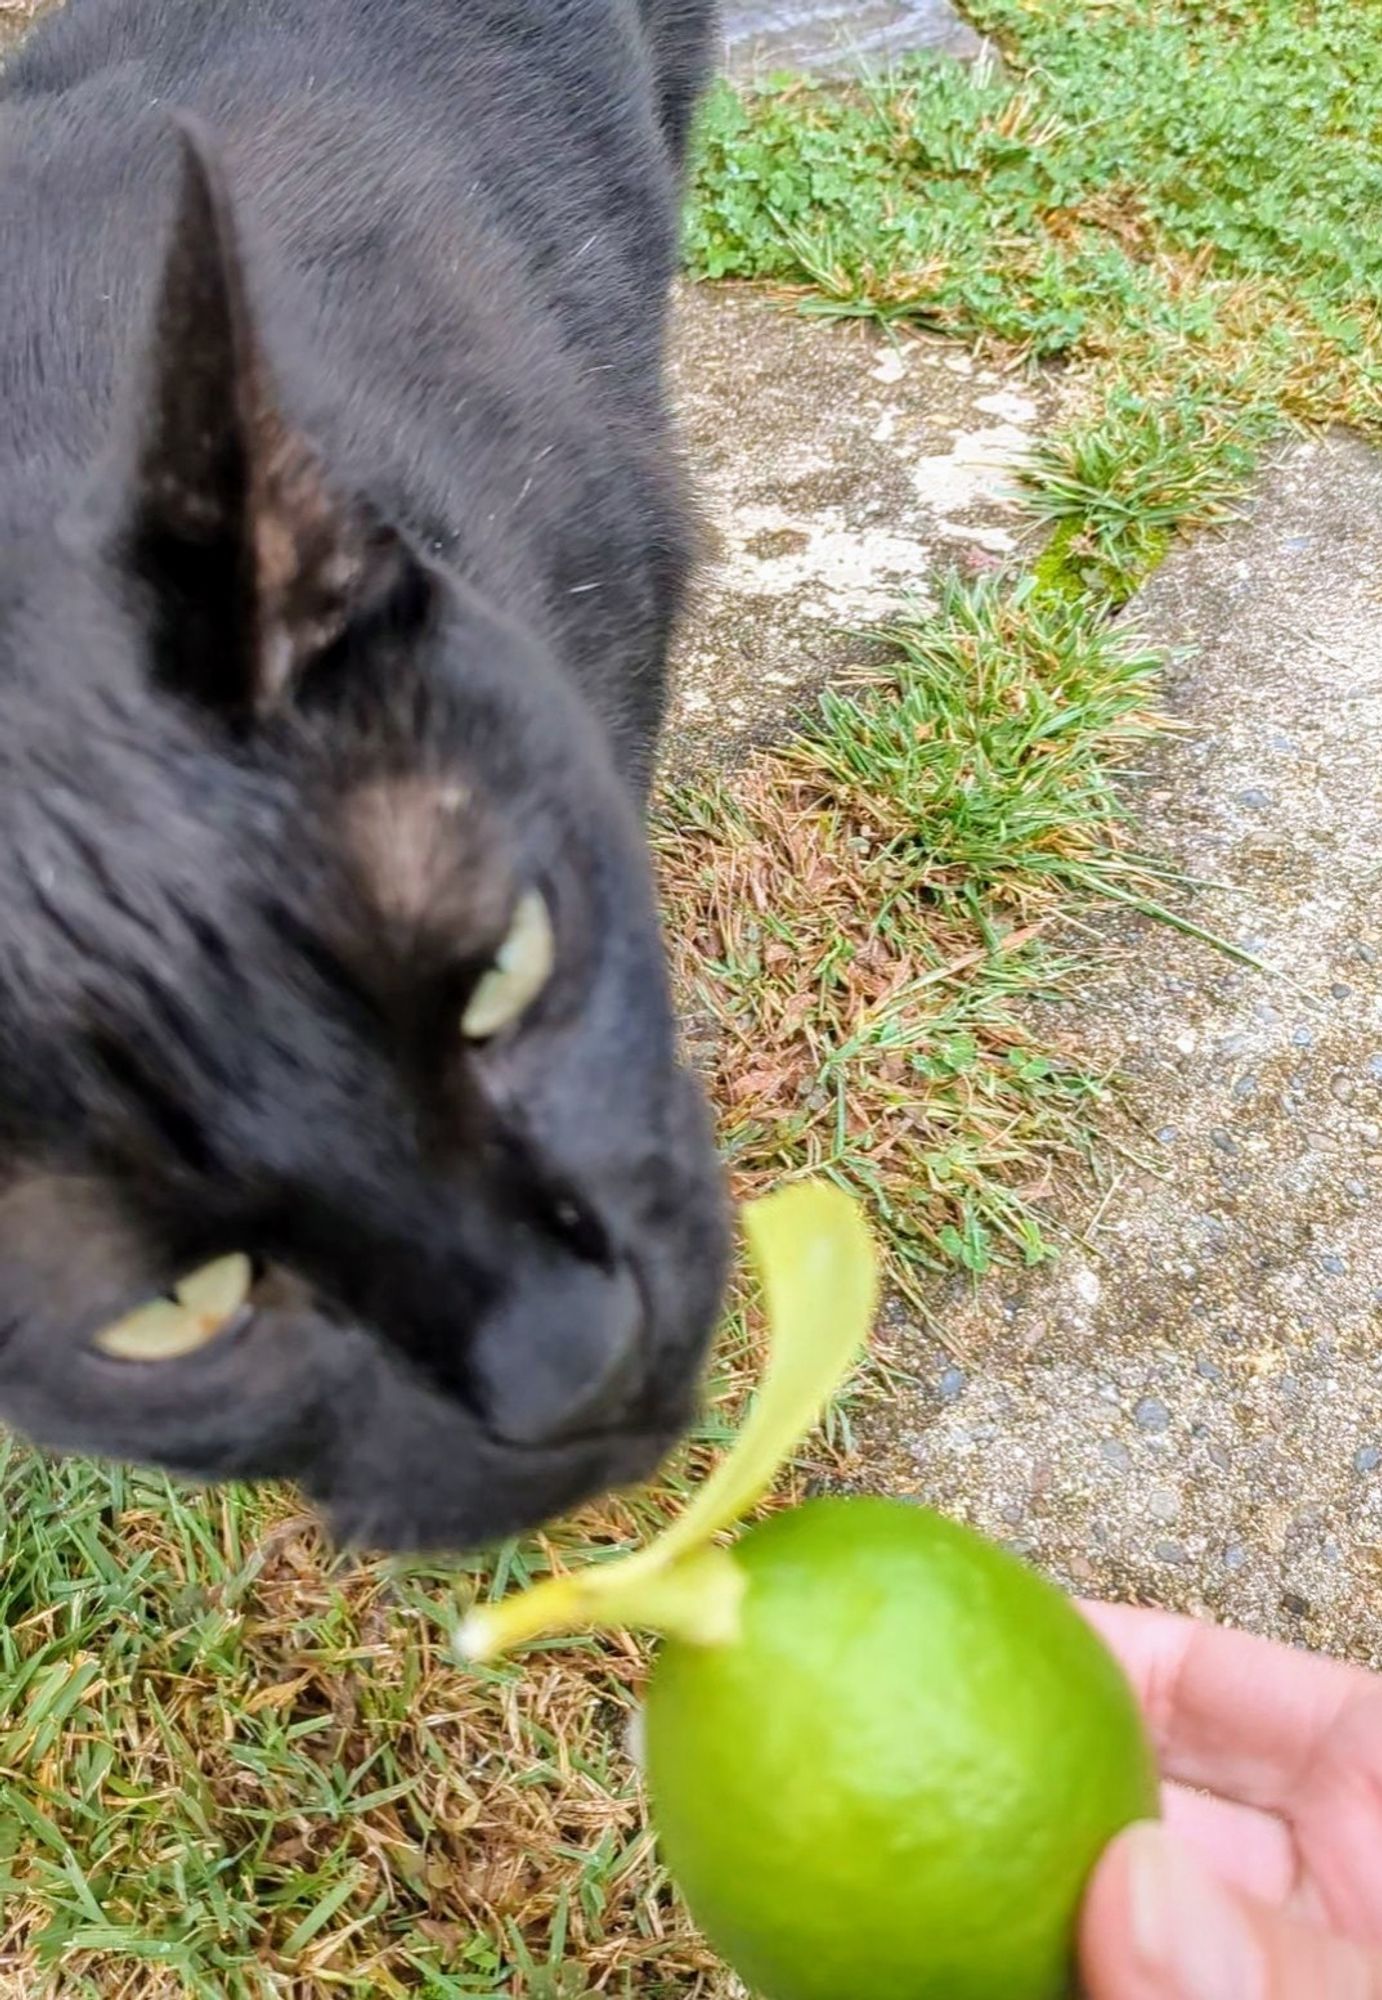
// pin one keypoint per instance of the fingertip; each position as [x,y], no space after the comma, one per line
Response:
[1159,1924]
[1109,1960]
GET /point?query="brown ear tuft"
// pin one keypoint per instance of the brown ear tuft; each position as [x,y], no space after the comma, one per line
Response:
[427,866]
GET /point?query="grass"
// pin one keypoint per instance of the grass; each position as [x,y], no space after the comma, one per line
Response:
[1178,197]
[860,916]
[1116,488]
[233,1768]
[1137,160]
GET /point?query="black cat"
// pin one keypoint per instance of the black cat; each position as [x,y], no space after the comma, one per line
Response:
[340,540]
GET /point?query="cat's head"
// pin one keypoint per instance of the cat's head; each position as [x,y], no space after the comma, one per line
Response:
[327,942]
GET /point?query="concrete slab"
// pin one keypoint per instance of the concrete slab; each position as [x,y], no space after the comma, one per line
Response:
[1189,1408]
[839,471]
[839,37]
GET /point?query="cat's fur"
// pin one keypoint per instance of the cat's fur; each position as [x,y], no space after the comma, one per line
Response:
[340,540]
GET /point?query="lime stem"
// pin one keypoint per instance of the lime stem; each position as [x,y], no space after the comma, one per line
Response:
[696,1600]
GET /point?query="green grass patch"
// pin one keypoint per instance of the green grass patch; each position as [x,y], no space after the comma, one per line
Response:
[1183,196]
[1060,202]
[1119,484]
[866,915]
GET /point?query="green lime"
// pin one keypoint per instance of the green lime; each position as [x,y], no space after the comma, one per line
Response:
[883,1755]
[894,1783]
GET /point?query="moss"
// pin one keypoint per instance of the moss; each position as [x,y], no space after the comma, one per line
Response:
[1064,573]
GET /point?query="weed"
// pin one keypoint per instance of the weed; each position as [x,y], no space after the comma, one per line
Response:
[861,920]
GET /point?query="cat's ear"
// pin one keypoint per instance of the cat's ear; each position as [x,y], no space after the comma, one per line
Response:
[254,567]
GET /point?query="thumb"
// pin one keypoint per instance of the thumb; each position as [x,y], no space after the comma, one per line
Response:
[1158,1926]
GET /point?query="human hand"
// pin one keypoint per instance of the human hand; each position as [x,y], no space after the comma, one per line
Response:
[1265,1882]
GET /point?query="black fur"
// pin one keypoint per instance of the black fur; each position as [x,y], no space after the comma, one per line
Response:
[340,542]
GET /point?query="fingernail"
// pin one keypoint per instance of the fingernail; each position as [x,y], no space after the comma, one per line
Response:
[1187,1930]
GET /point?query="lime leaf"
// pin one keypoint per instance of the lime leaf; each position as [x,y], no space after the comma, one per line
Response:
[819,1270]
[815,1259]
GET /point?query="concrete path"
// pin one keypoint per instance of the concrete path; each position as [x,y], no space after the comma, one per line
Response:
[839,471]
[839,36]
[1189,1407]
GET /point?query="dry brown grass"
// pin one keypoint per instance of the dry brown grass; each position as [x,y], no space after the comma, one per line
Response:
[858,921]
[345,1758]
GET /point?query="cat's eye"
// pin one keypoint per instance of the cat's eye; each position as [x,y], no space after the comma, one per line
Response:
[521,968]
[195,1312]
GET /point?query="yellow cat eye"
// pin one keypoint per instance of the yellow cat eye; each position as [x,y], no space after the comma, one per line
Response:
[522,967]
[201,1306]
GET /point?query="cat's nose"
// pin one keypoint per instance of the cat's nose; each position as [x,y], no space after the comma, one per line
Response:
[561,1356]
